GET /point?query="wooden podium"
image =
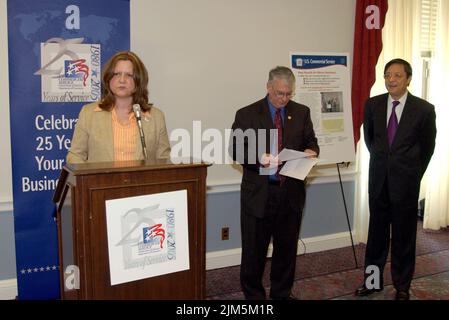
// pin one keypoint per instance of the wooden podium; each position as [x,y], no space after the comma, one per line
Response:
[82,227]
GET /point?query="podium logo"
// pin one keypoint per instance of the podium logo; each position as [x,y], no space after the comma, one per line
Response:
[148,236]
[154,235]
[72,278]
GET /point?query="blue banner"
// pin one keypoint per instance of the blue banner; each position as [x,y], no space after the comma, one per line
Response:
[56,50]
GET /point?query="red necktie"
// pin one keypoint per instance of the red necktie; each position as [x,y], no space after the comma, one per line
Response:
[278,125]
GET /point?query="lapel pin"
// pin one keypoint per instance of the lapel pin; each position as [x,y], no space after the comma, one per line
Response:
[289,117]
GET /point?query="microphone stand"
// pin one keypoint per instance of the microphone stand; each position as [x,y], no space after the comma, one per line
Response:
[137,113]
[142,139]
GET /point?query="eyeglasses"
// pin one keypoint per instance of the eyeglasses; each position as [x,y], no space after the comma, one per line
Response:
[397,75]
[126,75]
[280,94]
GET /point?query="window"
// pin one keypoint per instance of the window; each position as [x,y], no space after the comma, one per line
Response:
[429,16]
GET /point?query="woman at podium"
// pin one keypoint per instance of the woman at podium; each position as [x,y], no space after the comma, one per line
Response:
[123,125]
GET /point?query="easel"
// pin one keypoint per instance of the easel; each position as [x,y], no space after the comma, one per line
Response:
[346,211]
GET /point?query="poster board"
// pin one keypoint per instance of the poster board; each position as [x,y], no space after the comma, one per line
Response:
[322,84]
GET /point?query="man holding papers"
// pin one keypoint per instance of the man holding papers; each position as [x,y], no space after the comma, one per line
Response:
[271,203]
[297,164]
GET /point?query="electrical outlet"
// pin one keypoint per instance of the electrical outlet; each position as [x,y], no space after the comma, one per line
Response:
[225,233]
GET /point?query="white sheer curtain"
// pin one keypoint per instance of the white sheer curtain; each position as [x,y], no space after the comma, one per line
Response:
[400,37]
[437,178]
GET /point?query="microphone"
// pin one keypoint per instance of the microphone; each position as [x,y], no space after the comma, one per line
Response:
[138,114]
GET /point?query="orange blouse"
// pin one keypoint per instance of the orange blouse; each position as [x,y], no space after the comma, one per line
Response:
[125,138]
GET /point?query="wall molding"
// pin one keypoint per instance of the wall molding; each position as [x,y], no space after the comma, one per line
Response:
[8,289]
[319,175]
[6,206]
[223,186]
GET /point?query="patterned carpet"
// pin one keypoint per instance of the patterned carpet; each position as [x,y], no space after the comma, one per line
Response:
[333,274]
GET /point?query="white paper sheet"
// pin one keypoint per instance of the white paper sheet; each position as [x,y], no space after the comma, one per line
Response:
[289,154]
[299,168]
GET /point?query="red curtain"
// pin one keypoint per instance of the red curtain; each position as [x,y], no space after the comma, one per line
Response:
[369,21]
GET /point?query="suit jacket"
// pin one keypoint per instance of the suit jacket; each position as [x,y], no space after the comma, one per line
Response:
[93,137]
[298,134]
[406,161]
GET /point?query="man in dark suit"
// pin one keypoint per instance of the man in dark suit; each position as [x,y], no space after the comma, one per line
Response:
[400,132]
[271,204]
